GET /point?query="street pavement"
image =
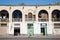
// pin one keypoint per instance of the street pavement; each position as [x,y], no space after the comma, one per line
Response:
[56,37]
[30,38]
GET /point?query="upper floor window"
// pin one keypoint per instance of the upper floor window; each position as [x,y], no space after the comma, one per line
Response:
[43,15]
[56,15]
[30,15]
[17,15]
[4,15]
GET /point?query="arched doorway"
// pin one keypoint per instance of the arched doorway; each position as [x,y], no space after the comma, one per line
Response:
[17,15]
[56,15]
[43,15]
[4,15]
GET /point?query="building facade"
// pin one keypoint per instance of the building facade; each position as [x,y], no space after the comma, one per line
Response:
[30,20]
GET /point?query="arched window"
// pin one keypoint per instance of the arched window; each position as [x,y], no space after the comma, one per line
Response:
[30,15]
[55,15]
[4,15]
[17,15]
[43,15]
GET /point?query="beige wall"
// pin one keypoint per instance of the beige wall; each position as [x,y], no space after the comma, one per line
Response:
[26,9]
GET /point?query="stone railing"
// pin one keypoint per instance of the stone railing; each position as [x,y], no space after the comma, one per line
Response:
[16,19]
[4,19]
[43,19]
[55,19]
[30,19]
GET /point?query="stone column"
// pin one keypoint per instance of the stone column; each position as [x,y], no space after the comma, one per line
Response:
[50,21]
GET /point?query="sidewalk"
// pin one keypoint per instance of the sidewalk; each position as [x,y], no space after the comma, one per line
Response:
[50,36]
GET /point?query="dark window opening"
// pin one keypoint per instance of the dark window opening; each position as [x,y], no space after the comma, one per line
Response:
[17,14]
[43,30]
[43,15]
[16,31]
[56,15]
[4,24]
[42,12]
[4,14]
[30,26]
[30,15]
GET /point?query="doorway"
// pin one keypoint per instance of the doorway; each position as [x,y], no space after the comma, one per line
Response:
[16,31]
[30,30]
[43,30]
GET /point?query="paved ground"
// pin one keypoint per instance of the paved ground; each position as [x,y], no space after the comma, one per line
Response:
[30,38]
[50,36]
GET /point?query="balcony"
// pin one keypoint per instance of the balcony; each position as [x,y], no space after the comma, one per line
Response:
[4,19]
[17,19]
[30,19]
[43,19]
[55,19]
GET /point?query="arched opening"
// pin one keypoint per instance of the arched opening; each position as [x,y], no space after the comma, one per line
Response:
[56,15]
[4,15]
[17,15]
[43,15]
[29,17]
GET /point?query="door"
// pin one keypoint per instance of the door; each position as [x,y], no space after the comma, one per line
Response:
[43,30]
[16,31]
[30,30]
